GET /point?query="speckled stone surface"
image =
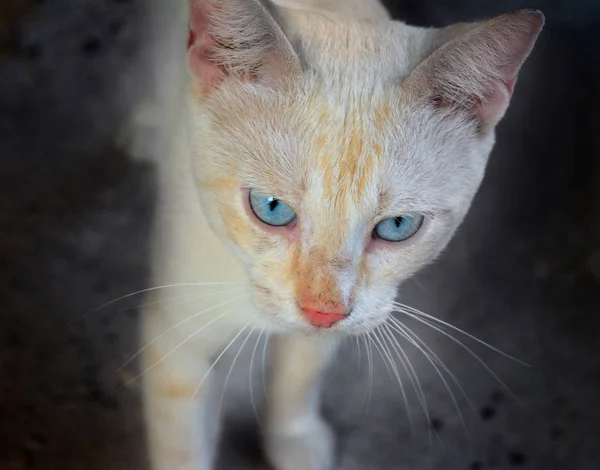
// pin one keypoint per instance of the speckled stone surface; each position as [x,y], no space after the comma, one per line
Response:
[522,274]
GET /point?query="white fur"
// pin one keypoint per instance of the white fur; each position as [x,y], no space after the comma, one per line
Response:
[330,92]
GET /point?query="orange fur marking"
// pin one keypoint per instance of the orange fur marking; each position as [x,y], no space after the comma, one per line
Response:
[364,177]
[347,156]
[225,183]
[377,150]
[329,180]
[357,176]
[382,116]
[355,149]
[177,389]
[316,286]
[290,268]
[237,227]
[321,142]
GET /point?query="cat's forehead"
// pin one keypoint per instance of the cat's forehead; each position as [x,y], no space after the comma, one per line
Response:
[359,51]
[346,133]
[342,150]
[382,152]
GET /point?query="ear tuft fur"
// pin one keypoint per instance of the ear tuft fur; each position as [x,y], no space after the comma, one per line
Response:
[477,64]
[238,39]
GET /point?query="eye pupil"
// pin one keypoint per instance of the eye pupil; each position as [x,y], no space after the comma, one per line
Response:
[270,210]
[397,229]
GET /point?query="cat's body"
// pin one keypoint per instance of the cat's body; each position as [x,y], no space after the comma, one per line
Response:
[352,124]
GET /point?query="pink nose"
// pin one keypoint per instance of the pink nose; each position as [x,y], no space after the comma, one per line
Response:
[322,319]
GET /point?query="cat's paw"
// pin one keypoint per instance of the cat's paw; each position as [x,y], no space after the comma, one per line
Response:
[309,445]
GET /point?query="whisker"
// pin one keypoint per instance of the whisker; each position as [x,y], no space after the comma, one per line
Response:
[373,334]
[212,366]
[385,350]
[413,338]
[369,352]
[129,382]
[231,370]
[410,371]
[171,328]
[466,348]
[370,335]
[150,289]
[359,358]
[196,296]
[264,370]
[403,330]
[429,354]
[421,285]
[250,384]
[455,328]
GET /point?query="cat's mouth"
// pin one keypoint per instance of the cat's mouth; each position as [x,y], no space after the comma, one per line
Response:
[320,318]
[292,317]
[307,319]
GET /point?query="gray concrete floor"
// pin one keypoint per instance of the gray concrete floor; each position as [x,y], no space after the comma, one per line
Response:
[522,274]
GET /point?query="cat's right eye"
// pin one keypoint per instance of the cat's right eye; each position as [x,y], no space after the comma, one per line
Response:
[270,210]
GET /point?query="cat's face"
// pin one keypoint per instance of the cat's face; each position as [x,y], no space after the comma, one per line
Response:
[333,192]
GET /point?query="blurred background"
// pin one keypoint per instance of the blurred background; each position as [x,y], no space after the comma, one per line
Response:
[522,274]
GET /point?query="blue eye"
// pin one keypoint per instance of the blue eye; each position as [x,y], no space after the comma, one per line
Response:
[397,229]
[270,210]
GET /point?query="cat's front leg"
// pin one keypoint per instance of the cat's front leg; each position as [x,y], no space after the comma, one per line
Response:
[176,407]
[296,437]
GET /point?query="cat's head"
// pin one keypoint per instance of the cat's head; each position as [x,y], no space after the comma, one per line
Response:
[338,158]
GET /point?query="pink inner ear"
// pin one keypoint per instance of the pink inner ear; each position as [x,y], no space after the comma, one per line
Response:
[191,39]
[495,102]
[206,72]
[510,86]
[479,68]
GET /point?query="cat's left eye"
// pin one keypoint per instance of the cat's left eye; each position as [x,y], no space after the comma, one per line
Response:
[397,229]
[270,210]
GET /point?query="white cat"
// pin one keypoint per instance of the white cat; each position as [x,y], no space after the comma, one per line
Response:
[318,160]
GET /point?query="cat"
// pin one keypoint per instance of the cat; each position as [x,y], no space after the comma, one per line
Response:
[319,157]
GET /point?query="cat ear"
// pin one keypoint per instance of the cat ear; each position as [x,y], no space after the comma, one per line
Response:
[477,66]
[239,39]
